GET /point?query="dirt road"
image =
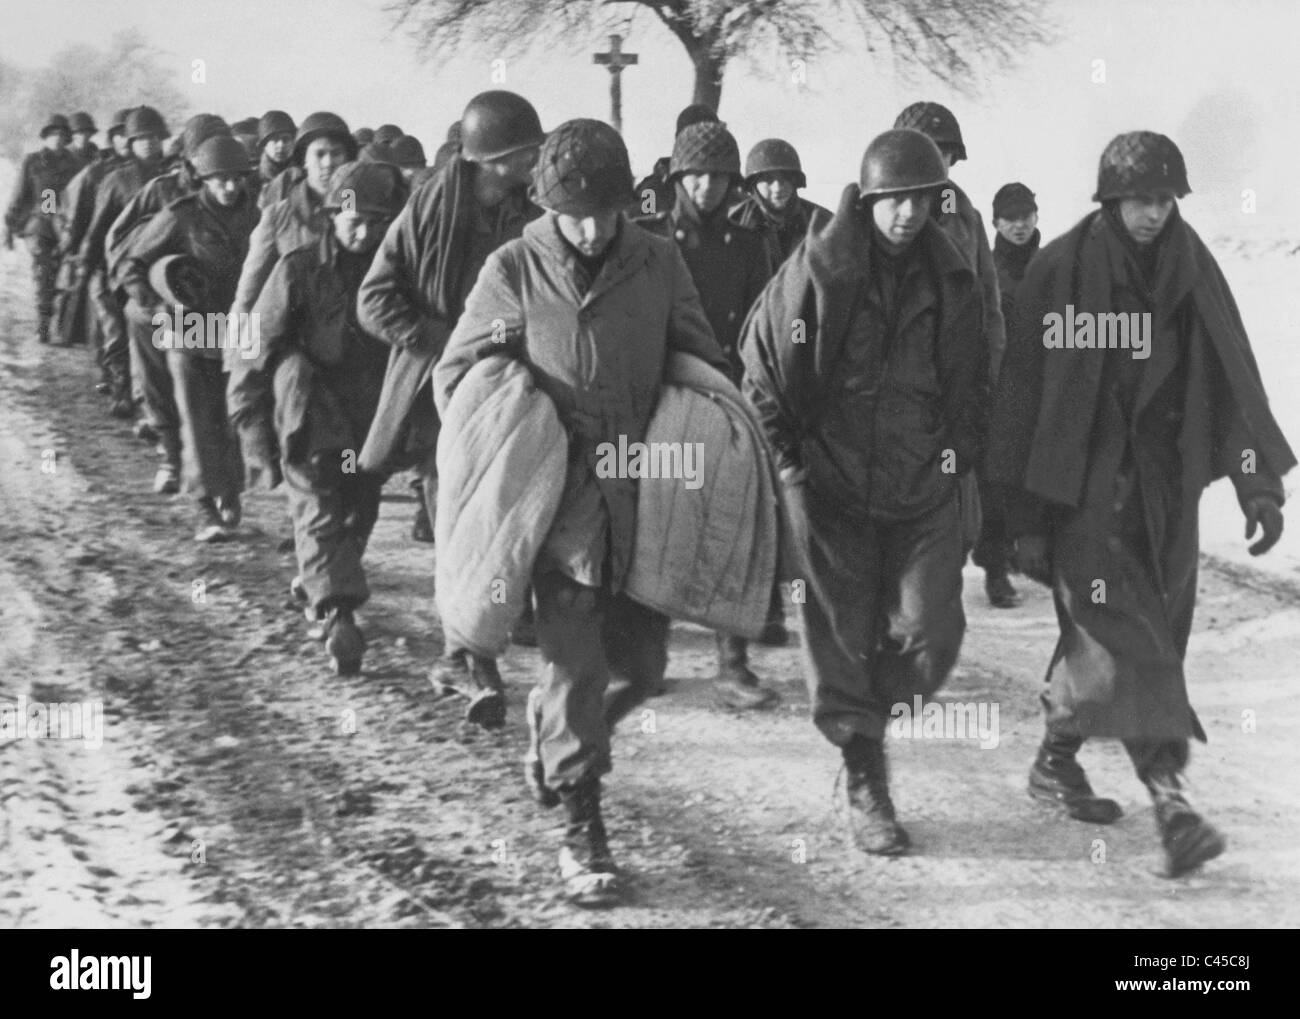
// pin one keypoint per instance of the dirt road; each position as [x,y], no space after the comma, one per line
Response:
[239,783]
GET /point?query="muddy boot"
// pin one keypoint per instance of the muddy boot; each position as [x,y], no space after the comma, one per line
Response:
[343,642]
[145,431]
[870,810]
[122,408]
[208,526]
[43,329]
[734,685]
[230,509]
[1058,778]
[590,878]
[487,694]
[1189,840]
[997,585]
[534,773]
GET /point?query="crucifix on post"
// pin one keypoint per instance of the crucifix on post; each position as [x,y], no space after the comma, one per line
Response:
[616,60]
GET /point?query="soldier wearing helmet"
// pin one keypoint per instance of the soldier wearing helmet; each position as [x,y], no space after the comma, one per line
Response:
[865,359]
[304,397]
[33,209]
[1106,445]
[208,229]
[983,524]
[161,421]
[78,206]
[773,206]
[275,133]
[730,265]
[83,129]
[655,193]
[594,306]
[145,131]
[413,295]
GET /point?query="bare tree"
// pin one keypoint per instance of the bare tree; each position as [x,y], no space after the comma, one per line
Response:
[953,40]
[127,72]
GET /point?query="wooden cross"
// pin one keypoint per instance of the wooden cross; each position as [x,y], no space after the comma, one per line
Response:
[616,60]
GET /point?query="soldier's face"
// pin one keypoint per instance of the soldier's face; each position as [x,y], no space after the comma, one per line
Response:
[589,234]
[146,147]
[279,146]
[120,144]
[706,190]
[1145,215]
[513,170]
[1018,230]
[225,188]
[322,157]
[900,217]
[776,189]
[81,139]
[56,141]
[359,232]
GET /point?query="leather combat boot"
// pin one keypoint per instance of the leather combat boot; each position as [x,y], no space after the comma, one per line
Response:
[735,686]
[870,810]
[1188,839]
[1057,778]
[343,642]
[590,878]
[477,678]
[1002,593]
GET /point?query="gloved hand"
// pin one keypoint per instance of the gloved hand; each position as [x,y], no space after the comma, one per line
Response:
[1263,511]
[1033,559]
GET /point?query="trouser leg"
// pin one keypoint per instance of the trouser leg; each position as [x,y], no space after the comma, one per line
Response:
[213,467]
[157,384]
[573,738]
[45,268]
[330,530]
[114,350]
[882,615]
[993,550]
[636,646]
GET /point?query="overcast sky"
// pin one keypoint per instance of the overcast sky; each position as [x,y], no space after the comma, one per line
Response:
[1045,124]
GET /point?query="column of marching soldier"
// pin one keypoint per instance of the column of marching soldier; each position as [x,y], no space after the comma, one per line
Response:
[917,392]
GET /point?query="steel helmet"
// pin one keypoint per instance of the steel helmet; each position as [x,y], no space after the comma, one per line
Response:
[378,152]
[360,186]
[220,154]
[1141,161]
[772,155]
[58,122]
[274,122]
[145,120]
[582,168]
[901,160]
[83,122]
[696,113]
[118,124]
[408,152]
[387,133]
[497,123]
[938,122]
[323,125]
[199,129]
[706,147]
[364,135]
